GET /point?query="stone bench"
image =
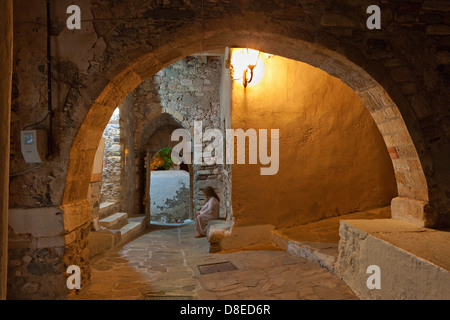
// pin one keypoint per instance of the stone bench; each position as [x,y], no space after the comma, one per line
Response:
[413,261]
[215,231]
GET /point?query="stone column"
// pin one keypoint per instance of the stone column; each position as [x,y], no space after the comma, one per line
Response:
[6,34]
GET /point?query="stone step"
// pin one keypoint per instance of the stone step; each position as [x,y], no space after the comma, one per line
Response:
[114,219]
[102,241]
[106,209]
[132,229]
[324,254]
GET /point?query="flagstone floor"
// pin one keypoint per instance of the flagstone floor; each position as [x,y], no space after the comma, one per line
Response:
[164,262]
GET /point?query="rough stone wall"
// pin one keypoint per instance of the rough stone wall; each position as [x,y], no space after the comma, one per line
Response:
[413,67]
[226,90]
[112,163]
[39,254]
[128,186]
[95,197]
[123,42]
[27,266]
[189,91]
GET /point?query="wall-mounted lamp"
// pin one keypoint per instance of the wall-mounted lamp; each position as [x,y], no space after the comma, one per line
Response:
[243,63]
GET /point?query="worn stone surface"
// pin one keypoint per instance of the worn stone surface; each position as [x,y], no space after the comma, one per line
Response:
[165,262]
[124,43]
[188,91]
[39,222]
[112,161]
[95,198]
[413,261]
[110,48]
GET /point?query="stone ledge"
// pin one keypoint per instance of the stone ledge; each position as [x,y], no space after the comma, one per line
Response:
[114,219]
[102,241]
[106,209]
[412,211]
[224,237]
[39,222]
[105,240]
[414,261]
[215,232]
[322,253]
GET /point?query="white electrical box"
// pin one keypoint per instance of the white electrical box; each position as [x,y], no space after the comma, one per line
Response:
[34,145]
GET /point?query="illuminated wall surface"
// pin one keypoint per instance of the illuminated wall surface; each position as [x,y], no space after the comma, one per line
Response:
[333,159]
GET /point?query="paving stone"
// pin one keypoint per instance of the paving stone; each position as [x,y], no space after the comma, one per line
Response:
[166,261]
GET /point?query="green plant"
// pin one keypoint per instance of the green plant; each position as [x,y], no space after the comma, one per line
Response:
[162,160]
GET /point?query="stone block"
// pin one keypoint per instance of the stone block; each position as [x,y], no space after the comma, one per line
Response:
[247,236]
[50,242]
[216,230]
[76,214]
[39,222]
[101,241]
[41,268]
[409,210]
[410,269]
[114,219]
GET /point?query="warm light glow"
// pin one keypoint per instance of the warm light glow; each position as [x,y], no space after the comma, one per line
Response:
[247,66]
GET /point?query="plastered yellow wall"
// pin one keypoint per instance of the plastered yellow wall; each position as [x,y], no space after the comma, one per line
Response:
[333,159]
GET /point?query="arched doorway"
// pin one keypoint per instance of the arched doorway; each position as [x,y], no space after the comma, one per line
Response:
[159,163]
[382,108]
[413,192]
[123,57]
[170,195]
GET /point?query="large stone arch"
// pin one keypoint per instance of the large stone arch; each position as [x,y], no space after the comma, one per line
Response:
[391,112]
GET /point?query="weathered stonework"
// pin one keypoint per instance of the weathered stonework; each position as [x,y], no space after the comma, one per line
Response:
[112,168]
[40,253]
[95,197]
[410,268]
[123,43]
[189,91]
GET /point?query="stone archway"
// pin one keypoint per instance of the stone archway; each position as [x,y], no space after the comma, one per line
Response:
[122,43]
[394,124]
[163,140]
[391,113]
